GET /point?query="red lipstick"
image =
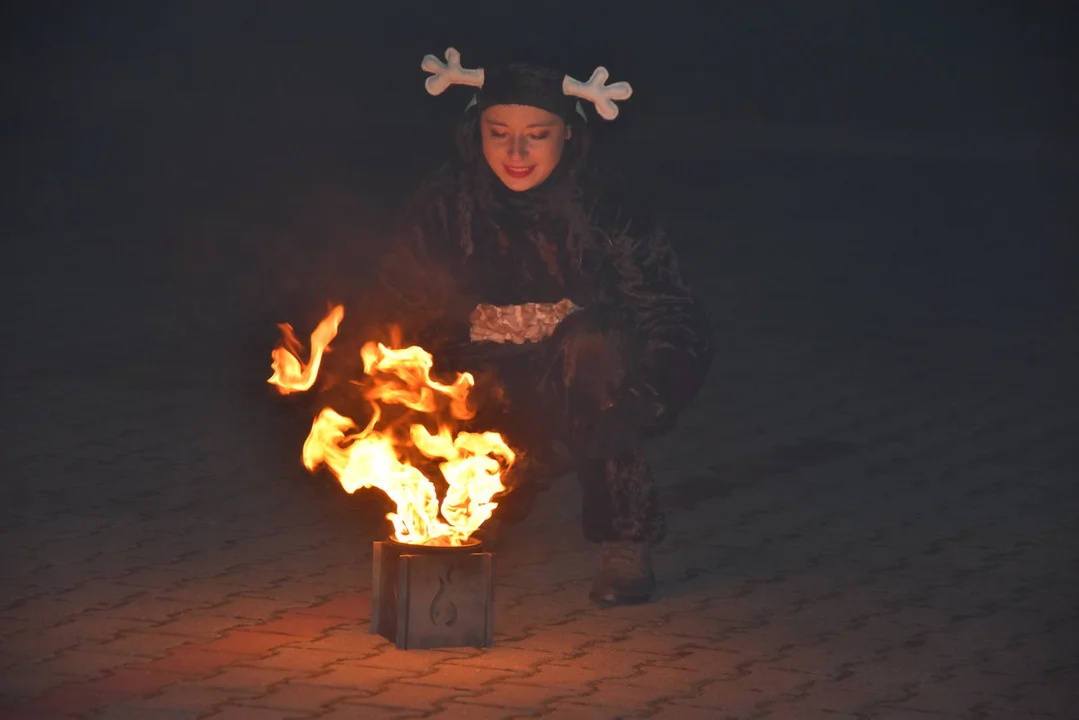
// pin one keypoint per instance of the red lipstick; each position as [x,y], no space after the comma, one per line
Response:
[518,172]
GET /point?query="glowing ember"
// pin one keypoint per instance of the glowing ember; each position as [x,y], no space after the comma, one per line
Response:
[471,463]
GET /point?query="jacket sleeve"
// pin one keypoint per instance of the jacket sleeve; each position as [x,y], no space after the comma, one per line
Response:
[413,290]
[674,335]
[420,276]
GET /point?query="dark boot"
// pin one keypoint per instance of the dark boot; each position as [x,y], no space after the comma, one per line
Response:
[625,575]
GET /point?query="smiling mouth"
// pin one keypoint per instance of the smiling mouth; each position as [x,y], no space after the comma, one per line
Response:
[519,172]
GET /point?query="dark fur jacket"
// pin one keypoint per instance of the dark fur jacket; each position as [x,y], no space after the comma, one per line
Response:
[582,235]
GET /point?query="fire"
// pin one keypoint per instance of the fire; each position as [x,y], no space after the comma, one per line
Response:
[289,374]
[471,463]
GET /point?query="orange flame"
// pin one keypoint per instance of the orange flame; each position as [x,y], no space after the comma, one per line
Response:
[471,463]
[289,374]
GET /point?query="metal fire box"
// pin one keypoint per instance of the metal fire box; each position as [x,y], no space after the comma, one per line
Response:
[432,597]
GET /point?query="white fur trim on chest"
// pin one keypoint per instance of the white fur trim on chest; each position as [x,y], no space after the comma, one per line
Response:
[530,322]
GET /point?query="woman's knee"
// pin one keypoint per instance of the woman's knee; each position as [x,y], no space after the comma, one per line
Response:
[594,356]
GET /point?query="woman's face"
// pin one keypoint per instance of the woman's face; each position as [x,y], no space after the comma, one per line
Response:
[522,144]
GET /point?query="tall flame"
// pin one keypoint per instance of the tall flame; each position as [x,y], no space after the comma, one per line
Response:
[289,374]
[471,463]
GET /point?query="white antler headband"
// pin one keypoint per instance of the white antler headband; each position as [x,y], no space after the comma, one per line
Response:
[449,73]
[595,91]
[599,94]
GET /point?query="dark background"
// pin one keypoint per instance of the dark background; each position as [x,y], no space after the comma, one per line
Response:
[877,202]
[179,176]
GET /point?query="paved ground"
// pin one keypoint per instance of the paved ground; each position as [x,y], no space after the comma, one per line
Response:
[872,506]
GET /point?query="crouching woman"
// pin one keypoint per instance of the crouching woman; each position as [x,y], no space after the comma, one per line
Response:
[543,275]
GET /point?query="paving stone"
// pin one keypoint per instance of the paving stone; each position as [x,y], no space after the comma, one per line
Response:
[902,710]
[93,629]
[463,711]
[200,627]
[245,680]
[667,679]
[153,610]
[773,681]
[684,712]
[361,678]
[25,681]
[123,685]
[563,677]
[779,712]
[16,592]
[411,696]
[100,595]
[35,645]
[202,595]
[598,626]
[192,661]
[627,694]
[845,697]
[247,642]
[250,608]
[601,663]
[82,663]
[250,712]
[658,644]
[183,696]
[352,606]
[140,644]
[506,658]
[696,628]
[306,593]
[517,697]
[726,700]
[718,662]
[827,658]
[1044,699]
[536,611]
[136,711]
[573,711]
[464,677]
[301,696]
[410,661]
[664,605]
[351,711]
[549,641]
[949,696]
[164,579]
[357,640]
[304,626]
[298,659]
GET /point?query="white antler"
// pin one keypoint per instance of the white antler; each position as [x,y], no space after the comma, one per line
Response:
[449,73]
[600,95]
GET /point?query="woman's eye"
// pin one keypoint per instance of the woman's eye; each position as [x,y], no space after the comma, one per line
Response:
[497,135]
[541,136]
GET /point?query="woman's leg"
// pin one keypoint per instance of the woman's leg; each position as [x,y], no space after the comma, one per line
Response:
[506,401]
[592,377]
[573,387]
[584,369]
